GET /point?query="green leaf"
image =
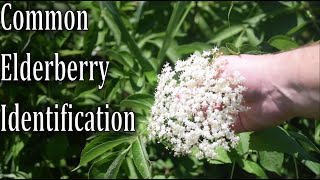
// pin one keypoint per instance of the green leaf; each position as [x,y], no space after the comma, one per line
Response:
[41,98]
[151,77]
[232,49]
[240,39]
[130,169]
[252,167]
[159,177]
[114,72]
[99,146]
[271,161]
[126,37]
[296,29]
[67,52]
[282,42]
[143,101]
[102,138]
[222,157]
[204,28]
[243,146]
[98,168]
[117,56]
[113,169]
[224,50]
[192,47]
[317,132]
[279,140]
[112,25]
[112,88]
[171,52]
[252,37]
[304,141]
[62,37]
[313,166]
[250,49]
[83,92]
[136,81]
[179,13]
[91,37]
[255,19]
[140,158]
[227,32]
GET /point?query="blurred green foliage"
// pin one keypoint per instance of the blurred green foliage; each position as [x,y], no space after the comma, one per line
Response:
[137,38]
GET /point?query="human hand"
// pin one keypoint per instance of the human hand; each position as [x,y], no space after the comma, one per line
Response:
[267,94]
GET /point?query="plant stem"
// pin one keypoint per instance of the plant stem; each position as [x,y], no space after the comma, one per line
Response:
[296,167]
[232,170]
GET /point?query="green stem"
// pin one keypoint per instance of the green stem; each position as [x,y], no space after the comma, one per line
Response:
[232,170]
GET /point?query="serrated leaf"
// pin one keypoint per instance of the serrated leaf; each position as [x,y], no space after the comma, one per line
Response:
[94,150]
[243,146]
[102,138]
[140,158]
[271,161]
[113,169]
[222,157]
[98,168]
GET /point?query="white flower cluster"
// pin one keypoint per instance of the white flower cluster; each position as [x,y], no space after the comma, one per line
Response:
[195,105]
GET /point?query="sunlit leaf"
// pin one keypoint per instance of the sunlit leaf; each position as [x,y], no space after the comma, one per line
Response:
[140,158]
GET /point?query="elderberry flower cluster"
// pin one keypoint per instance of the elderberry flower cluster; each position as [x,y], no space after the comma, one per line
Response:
[195,105]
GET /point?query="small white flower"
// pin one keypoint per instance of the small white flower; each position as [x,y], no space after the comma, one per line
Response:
[193,110]
[215,49]
[206,53]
